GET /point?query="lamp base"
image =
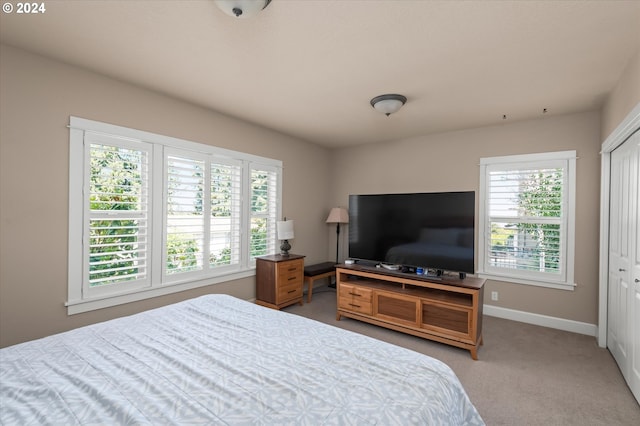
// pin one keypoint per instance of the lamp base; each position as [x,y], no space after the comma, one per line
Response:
[284,248]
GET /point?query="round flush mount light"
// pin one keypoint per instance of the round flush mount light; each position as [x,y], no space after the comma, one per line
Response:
[242,8]
[388,104]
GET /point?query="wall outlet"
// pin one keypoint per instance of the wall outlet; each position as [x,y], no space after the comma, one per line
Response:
[494,295]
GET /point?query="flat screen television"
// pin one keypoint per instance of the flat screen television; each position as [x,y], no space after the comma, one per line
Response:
[430,230]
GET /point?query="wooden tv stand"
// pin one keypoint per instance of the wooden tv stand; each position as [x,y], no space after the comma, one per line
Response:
[445,309]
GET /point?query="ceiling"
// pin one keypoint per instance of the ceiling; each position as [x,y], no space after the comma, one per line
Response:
[309,68]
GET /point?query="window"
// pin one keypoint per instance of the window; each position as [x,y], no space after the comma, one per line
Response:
[185,215]
[117,215]
[225,215]
[152,215]
[264,185]
[527,215]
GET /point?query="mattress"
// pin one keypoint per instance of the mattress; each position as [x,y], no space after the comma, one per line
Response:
[219,360]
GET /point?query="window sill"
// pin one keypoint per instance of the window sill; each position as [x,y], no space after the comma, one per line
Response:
[516,280]
[80,306]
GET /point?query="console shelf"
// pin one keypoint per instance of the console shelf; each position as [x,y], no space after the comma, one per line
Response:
[444,309]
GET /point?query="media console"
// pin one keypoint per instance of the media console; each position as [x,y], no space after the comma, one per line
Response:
[447,310]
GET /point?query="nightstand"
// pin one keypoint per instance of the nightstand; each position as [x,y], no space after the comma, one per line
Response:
[279,280]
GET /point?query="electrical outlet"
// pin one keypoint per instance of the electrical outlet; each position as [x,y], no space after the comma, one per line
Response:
[494,295]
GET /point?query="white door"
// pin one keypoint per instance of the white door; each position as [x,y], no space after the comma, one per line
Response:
[634,276]
[623,337]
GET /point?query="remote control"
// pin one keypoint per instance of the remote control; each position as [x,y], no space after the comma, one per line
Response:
[390,267]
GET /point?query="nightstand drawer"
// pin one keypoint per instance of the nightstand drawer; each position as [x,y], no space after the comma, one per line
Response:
[290,271]
[288,292]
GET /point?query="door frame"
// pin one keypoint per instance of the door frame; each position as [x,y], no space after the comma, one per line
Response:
[626,128]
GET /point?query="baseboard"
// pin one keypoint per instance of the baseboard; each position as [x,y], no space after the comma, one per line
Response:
[542,320]
[536,319]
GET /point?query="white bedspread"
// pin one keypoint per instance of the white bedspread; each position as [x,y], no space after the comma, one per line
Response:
[220,360]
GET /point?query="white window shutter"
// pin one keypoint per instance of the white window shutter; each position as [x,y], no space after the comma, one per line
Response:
[117,214]
[527,218]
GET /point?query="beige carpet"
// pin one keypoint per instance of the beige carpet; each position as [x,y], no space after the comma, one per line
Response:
[525,374]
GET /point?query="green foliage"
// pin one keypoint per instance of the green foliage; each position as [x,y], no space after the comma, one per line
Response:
[259,192]
[114,185]
[259,205]
[541,194]
[115,179]
[182,254]
[221,190]
[500,237]
[258,245]
[222,258]
[113,250]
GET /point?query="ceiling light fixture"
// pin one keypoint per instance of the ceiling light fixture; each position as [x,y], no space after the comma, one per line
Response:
[242,8]
[388,104]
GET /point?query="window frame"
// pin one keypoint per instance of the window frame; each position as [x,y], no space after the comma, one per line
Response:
[567,161]
[79,299]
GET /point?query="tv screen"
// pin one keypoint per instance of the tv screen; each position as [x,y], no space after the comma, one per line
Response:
[430,230]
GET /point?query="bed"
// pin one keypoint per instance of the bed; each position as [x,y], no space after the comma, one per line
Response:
[219,360]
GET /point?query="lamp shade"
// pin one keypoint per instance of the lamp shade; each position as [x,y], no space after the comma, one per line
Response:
[338,215]
[242,8]
[388,104]
[284,228]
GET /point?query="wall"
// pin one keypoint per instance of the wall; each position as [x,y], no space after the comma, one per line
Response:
[624,97]
[37,97]
[449,162]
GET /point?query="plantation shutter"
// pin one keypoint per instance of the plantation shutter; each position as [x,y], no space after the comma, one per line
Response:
[226,216]
[263,212]
[151,215]
[526,217]
[185,214]
[118,203]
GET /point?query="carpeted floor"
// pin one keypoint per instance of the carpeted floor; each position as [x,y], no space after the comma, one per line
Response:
[525,374]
